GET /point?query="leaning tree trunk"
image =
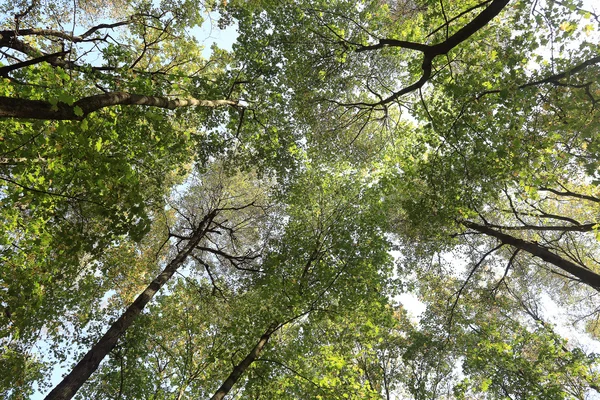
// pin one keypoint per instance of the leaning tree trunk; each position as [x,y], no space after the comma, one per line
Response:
[71,383]
[239,369]
[586,275]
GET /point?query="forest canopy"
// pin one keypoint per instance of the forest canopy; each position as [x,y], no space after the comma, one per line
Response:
[252,223]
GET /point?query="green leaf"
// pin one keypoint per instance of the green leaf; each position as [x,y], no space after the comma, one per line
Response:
[78,111]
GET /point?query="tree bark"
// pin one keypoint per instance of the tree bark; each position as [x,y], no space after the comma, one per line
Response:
[40,109]
[239,369]
[71,383]
[586,275]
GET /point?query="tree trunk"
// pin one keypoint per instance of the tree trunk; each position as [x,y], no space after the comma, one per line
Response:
[71,383]
[586,275]
[239,369]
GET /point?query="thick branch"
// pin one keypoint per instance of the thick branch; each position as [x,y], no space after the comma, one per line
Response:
[394,43]
[4,71]
[554,228]
[12,42]
[40,109]
[43,32]
[71,383]
[553,79]
[11,34]
[470,29]
[107,26]
[432,51]
[568,193]
[586,276]
[239,369]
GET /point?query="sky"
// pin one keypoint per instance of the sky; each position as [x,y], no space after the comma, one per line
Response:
[209,34]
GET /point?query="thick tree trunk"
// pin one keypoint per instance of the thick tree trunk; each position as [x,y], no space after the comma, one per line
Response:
[71,383]
[239,369]
[40,109]
[586,275]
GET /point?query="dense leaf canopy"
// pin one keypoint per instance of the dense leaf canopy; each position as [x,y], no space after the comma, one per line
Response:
[265,222]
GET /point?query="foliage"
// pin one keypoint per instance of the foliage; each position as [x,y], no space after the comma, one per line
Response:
[267,191]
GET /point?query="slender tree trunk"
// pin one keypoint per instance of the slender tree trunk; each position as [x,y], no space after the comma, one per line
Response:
[71,383]
[586,275]
[239,369]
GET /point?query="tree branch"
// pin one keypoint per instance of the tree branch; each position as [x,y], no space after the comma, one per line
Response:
[40,109]
[240,368]
[4,71]
[448,22]
[12,42]
[553,79]
[466,281]
[569,193]
[526,227]
[586,275]
[432,51]
[11,34]
[71,383]
[394,43]
[23,13]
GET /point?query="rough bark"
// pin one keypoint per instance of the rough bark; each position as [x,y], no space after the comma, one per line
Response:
[40,109]
[585,275]
[71,383]
[239,369]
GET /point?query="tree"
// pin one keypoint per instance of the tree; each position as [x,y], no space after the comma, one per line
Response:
[300,276]
[461,134]
[71,187]
[194,233]
[502,128]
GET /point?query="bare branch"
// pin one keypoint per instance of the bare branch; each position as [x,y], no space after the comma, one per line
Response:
[448,22]
[464,284]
